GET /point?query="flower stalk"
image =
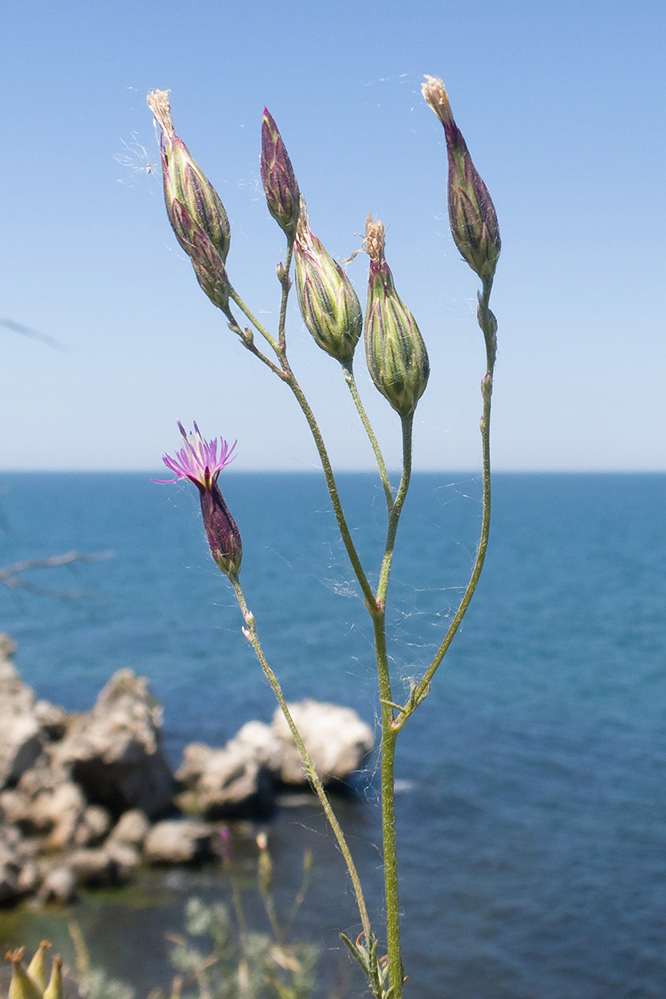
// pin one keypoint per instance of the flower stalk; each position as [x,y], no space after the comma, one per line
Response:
[399,367]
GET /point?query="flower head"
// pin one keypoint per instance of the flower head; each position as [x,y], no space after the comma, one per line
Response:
[196,214]
[200,462]
[277,175]
[395,350]
[329,305]
[471,211]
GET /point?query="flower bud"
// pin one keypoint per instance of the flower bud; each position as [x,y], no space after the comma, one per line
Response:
[22,986]
[329,305]
[277,175]
[199,462]
[206,261]
[37,967]
[471,211]
[397,356]
[196,214]
[186,183]
[54,988]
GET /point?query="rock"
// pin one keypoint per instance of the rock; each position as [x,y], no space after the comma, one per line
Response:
[47,804]
[52,720]
[178,841]
[90,867]
[131,829]
[10,866]
[336,738]
[93,826]
[115,751]
[21,734]
[227,782]
[125,858]
[58,885]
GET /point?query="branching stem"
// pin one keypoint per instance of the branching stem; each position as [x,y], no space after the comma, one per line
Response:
[250,632]
[348,372]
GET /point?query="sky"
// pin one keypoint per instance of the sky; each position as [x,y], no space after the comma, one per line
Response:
[562,107]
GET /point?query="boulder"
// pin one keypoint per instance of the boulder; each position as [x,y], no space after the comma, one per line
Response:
[90,867]
[20,731]
[58,885]
[52,720]
[178,841]
[233,781]
[131,828]
[46,804]
[115,751]
[10,865]
[125,858]
[93,826]
[336,738]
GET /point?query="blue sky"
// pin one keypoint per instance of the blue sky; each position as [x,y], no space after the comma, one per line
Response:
[562,106]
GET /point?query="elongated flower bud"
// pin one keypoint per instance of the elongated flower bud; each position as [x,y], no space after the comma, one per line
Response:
[206,261]
[199,462]
[396,353]
[37,967]
[329,305]
[54,988]
[22,986]
[471,211]
[196,214]
[277,175]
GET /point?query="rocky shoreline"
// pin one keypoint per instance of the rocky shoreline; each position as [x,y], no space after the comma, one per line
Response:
[85,799]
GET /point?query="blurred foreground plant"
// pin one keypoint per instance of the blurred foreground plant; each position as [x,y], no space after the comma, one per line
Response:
[398,363]
[243,963]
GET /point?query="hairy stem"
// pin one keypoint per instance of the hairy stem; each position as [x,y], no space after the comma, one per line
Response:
[488,326]
[396,510]
[259,327]
[389,733]
[250,633]
[330,482]
[348,371]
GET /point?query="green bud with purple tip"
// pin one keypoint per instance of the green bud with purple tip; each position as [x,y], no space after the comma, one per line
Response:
[329,305]
[185,182]
[277,175]
[196,214]
[395,350]
[206,261]
[472,214]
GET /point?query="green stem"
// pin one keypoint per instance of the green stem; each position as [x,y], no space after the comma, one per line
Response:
[396,510]
[389,732]
[488,326]
[250,632]
[288,376]
[286,285]
[388,811]
[233,294]
[330,482]
[348,372]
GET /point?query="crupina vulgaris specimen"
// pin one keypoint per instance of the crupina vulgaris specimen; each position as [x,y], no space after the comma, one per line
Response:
[398,363]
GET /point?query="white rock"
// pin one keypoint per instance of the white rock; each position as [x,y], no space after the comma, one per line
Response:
[20,731]
[223,782]
[178,841]
[336,738]
[132,828]
[58,885]
[115,751]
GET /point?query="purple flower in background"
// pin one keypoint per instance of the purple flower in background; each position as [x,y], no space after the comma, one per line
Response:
[199,462]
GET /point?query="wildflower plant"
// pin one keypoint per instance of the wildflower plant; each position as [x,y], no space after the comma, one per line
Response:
[398,363]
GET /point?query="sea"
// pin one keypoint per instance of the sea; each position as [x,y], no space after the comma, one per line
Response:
[531,804]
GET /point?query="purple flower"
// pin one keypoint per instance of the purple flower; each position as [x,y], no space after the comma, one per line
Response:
[199,462]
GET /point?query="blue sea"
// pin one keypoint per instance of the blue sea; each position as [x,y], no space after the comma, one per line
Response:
[532,782]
